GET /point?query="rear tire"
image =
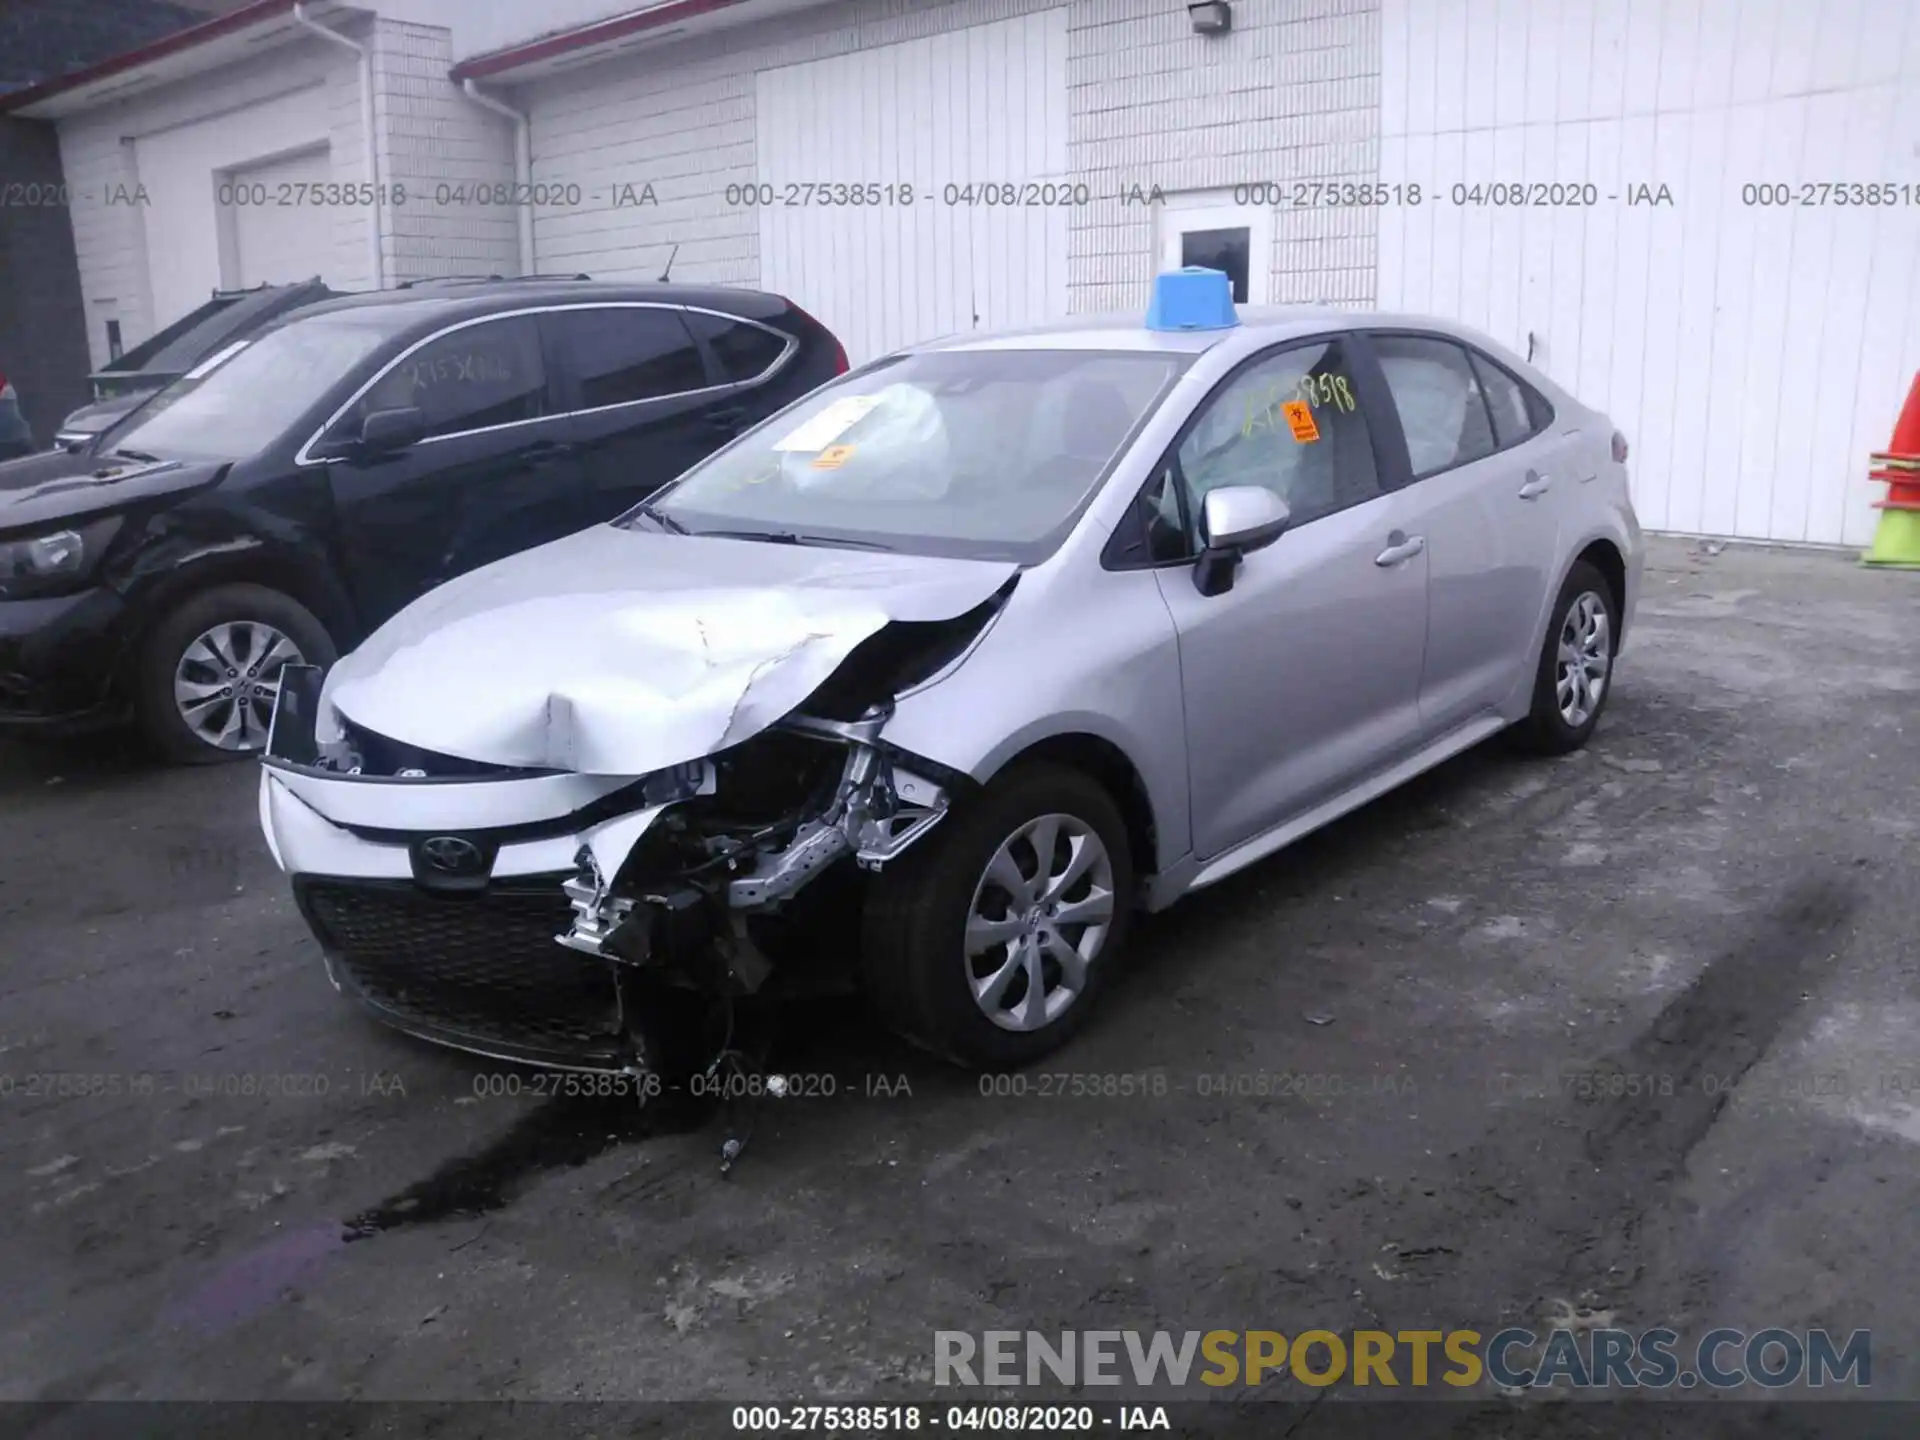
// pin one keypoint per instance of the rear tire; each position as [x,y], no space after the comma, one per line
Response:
[1574,676]
[982,949]
[233,639]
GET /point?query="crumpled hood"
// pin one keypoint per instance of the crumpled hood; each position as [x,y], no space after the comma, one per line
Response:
[621,652]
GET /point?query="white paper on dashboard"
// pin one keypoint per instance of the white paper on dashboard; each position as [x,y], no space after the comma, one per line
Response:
[830,424]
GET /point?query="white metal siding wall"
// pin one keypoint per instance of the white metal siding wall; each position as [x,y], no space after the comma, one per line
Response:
[971,108]
[432,136]
[1754,355]
[109,239]
[1292,92]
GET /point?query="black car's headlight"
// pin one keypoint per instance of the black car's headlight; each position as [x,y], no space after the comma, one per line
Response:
[54,561]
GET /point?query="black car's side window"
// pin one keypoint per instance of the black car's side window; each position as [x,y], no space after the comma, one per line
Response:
[468,379]
[1443,411]
[1290,422]
[621,354]
[745,352]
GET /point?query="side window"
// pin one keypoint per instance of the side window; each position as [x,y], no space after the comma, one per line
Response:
[626,354]
[1291,423]
[1507,399]
[468,379]
[1441,407]
[745,352]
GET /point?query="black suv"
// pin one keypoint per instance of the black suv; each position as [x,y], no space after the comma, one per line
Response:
[278,502]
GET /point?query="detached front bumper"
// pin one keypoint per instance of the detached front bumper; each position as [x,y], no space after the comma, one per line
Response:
[472,960]
[499,913]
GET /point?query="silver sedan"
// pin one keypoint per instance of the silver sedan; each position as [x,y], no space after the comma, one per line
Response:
[931,682]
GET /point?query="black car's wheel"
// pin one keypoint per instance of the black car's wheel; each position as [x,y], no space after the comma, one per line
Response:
[1575,674]
[990,941]
[208,673]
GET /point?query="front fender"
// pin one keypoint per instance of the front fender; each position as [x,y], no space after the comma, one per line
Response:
[1086,656]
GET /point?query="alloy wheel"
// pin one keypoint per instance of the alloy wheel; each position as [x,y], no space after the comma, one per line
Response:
[1040,917]
[1585,659]
[227,681]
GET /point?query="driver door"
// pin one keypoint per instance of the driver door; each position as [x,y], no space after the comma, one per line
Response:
[495,473]
[1304,676]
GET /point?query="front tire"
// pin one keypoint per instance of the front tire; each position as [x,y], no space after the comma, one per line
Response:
[990,942]
[1574,677]
[208,674]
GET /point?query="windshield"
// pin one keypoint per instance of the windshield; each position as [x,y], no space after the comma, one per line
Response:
[972,453]
[242,403]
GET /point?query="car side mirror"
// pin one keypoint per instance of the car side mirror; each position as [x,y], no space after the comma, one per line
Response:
[1238,520]
[384,431]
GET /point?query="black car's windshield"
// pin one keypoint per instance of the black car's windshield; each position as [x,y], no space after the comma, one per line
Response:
[973,453]
[244,398]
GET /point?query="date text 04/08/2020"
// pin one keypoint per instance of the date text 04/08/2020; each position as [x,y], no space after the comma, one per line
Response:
[986,1419]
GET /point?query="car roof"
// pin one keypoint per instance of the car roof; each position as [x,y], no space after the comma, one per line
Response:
[439,302]
[1127,330]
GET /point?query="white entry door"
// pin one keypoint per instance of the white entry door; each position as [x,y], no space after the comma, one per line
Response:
[1206,228]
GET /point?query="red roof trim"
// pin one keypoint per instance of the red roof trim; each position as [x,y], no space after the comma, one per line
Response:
[598,33]
[193,35]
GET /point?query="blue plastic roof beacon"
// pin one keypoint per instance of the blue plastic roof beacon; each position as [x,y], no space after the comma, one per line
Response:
[1192,299]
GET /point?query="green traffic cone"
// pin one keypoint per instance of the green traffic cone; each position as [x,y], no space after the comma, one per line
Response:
[1896,541]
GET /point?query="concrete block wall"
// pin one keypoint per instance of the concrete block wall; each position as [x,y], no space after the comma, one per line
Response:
[439,146]
[1293,92]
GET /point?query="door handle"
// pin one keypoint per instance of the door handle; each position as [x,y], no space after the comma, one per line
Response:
[1400,547]
[541,451]
[1536,486]
[728,419]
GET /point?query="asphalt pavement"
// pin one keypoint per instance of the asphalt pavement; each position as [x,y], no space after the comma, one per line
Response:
[1379,1081]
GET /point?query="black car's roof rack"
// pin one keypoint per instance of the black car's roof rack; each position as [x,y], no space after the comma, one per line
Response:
[481,280]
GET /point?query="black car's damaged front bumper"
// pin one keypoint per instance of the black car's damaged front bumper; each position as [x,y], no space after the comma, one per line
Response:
[579,921]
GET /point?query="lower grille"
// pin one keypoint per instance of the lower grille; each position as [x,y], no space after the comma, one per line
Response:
[484,967]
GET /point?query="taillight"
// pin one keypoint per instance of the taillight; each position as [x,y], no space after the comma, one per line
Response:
[1619,448]
[840,365]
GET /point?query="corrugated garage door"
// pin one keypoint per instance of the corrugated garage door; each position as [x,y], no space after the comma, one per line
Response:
[1755,348]
[188,239]
[973,107]
[276,243]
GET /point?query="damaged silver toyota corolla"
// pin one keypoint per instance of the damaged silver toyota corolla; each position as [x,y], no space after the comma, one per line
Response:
[926,684]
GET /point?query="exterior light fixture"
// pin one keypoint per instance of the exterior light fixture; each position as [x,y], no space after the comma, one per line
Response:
[1211,17]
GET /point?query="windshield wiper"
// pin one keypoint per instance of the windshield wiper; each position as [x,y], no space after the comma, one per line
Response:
[661,518]
[792,537]
[139,455]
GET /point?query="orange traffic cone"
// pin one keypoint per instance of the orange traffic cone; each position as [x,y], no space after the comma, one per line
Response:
[1896,540]
[1903,452]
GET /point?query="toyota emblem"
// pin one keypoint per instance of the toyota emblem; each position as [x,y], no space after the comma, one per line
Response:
[450,855]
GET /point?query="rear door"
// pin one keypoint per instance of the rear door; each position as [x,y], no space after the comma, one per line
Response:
[645,404]
[493,475]
[1480,493]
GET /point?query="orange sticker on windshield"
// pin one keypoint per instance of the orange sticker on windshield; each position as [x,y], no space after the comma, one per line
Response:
[833,457]
[1300,420]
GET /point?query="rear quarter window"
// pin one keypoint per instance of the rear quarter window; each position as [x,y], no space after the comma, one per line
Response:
[745,352]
